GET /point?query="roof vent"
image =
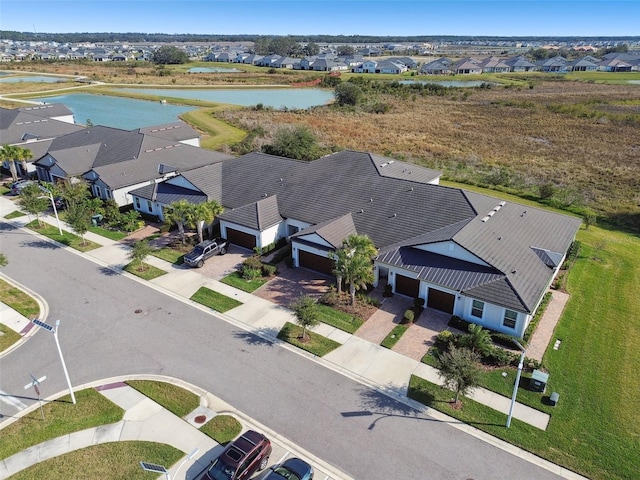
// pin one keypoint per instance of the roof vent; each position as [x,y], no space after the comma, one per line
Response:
[484,219]
[371,200]
[361,210]
[514,271]
[410,188]
[500,237]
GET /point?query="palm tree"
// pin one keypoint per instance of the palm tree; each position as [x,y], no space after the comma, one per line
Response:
[353,263]
[24,154]
[181,213]
[9,154]
[204,214]
[478,339]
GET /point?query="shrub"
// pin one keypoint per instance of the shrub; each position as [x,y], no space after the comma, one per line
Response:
[444,339]
[459,323]
[289,262]
[269,270]
[388,291]
[251,273]
[409,315]
[418,302]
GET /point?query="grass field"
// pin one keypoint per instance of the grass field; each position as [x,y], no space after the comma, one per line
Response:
[18,300]
[338,319]
[113,461]
[176,399]
[60,417]
[317,344]
[214,300]
[235,280]
[149,272]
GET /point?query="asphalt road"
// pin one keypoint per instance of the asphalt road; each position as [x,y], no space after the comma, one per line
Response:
[112,325]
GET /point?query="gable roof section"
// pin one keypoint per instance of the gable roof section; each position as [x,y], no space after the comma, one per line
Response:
[504,240]
[257,215]
[207,179]
[167,193]
[17,126]
[48,110]
[333,231]
[173,132]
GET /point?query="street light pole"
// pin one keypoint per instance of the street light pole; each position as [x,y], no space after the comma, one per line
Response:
[53,204]
[53,330]
[189,457]
[515,386]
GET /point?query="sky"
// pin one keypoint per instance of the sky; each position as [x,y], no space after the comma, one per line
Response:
[510,18]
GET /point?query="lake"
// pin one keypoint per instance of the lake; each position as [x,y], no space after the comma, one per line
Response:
[125,113]
[279,98]
[33,78]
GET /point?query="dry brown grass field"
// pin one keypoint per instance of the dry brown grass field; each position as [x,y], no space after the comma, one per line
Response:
[579,139]
[506,138]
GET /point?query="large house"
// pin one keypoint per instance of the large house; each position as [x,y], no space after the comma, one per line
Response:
[485,260]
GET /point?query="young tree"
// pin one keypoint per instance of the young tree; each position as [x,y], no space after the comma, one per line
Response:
[140,250]
[306,312]
[311,48]
[74,191]
[34,201]
[9,154]
[459,370]
[204,214]
[79,218]
[181,213]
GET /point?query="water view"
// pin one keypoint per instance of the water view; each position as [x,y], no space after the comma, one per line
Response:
[33,78]
[213,70]
[125,113]
[279,98]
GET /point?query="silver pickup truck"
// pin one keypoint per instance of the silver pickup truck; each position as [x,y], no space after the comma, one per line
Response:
[204,250]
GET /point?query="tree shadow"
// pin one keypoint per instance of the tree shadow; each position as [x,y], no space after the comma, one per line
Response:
[385,401]
[262,336]
[110,271]
[45,244]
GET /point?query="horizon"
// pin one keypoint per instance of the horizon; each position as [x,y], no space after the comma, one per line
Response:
[379,18]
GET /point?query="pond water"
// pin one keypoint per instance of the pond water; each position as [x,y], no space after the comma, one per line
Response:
[447,83]
[33,78]
[125,113]
[213,70]
[291,98]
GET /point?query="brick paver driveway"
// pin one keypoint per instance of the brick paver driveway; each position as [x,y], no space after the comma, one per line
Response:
[290,283]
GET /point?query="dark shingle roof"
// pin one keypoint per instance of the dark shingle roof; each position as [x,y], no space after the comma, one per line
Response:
[17,126]
[332,231]
[174,132]
[257,215]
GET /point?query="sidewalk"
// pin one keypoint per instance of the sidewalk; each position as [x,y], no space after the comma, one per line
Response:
[145,420]
[365,361]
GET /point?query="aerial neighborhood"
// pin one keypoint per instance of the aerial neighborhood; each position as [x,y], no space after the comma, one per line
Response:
[457,250]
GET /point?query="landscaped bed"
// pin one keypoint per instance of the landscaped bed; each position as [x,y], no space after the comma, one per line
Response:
[214,300]
[316,344]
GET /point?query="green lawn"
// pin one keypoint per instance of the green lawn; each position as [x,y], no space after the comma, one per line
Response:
[594,428]
[318,345]
[170,255]
[176,399]
[214,300]
[117,460]
[8,337]
[338,319]
[110,234]
[15,214]
[394,335]
[67,238]
[18,300]
[235,280]
[149,273]
[222,428]
[61,417]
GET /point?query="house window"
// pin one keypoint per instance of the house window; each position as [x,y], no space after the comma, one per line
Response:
[149,206]
[98,192]
[137,203]
[108,193]
[510,318]
[477,308]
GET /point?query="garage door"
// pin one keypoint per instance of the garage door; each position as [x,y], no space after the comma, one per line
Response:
[241,239]
[440,300]
[407,286]
[315,262]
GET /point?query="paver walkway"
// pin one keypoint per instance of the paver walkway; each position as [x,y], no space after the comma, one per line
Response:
[415,342]
[544,331]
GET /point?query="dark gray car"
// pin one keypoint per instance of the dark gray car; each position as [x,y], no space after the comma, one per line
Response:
[204,250]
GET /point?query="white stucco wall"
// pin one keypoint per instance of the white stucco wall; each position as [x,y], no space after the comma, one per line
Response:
[296,247]
[453,250]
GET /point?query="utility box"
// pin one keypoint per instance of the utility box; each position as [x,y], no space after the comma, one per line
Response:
[96,220]
[538,382]
[553,398]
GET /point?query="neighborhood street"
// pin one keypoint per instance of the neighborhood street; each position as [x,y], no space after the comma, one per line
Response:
[112,325]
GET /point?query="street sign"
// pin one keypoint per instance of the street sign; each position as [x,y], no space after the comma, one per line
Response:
[152,467]
[42,324]
[35,383]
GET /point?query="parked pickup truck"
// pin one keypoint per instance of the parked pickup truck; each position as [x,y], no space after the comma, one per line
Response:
[204,250]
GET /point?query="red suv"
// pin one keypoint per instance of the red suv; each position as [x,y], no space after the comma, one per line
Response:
[241,458]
